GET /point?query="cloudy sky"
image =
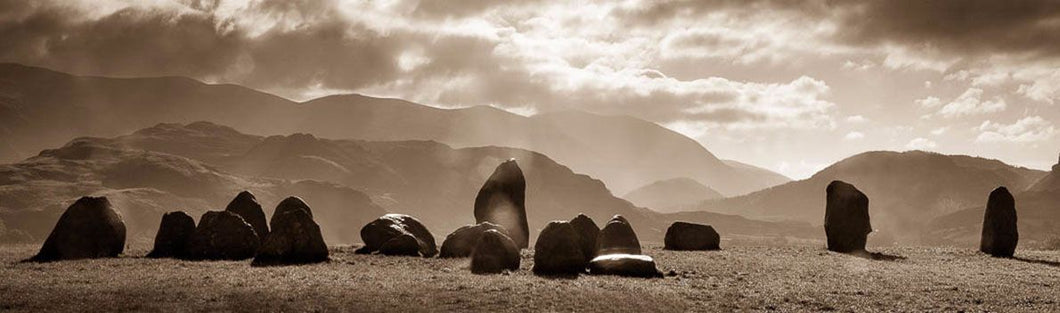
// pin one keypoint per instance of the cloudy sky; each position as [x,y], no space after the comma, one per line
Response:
[790,86]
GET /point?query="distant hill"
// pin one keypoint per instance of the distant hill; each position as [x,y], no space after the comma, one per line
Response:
[671,194]
[624,152]
[906,190]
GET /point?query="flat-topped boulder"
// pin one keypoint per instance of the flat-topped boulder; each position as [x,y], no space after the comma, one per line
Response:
[223,235]
[462,241]
[617,237]
[393,227]
[295,239]
[846,218]
[628,265]
[501,200]
[173,236]
[494,253]
[557,251]
[684,236]
[1000,234]
[247,207]
[89,228]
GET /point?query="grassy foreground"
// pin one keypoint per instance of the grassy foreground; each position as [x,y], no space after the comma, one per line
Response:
[744,276]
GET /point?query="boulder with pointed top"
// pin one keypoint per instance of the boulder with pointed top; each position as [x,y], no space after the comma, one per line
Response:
[173,235]
[295,239]
[587,234]
[501,200]
[617,237]
[846,217]
[627,265]
[462,241]
[494,253]
[1000,234]
[292,203]
[90,228]
[557,251]
[222,235]
[690,236]
[394,227]
[247,206]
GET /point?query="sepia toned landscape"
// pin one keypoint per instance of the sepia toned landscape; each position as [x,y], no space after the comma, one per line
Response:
[568,156]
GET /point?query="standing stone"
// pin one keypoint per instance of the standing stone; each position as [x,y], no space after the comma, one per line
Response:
[247,206]
[462,241]
[223,235]
[494,253]
[173,235]
[501,201]
[295,239]
[292,203]
[90,228]
[617,237]
[394,226]
[627,265]
[846,218]
[690,236]
[557,251]
[587,234]
[1000,234]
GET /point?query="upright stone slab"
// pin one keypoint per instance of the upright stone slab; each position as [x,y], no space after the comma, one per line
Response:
[557,251]
[462,241]
[295,239]
[1000,234]
[223,235]
[846,218]
[501,201]
[587,234]
[691,236]
[247,207]
[173,236]
[494,253]
[393,227]
[617,237]
[90,228]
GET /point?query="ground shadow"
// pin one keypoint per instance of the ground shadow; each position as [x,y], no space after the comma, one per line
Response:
[877,256]
[1042,262]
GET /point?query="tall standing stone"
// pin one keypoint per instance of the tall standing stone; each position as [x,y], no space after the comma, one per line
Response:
[90,228]
[247,207]
[502,201]
[587,234]
[617,237]
[1000,234]
[846,218]
[173,236]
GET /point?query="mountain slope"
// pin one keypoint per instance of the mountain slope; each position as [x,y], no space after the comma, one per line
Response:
[906,190]
[623,151]
[671,194]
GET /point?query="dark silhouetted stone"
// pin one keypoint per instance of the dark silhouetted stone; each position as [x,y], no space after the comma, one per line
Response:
[402,245]
[587,234]
[494,253]
[690,236]
[846,218]
[295,239]
[173,236]
[90,228]
[462,241]
[247,206]
[624,265]
[292,203]
[1000,234]
[557,251]
[223,235]
[501,201]
[390,226]
[617,237]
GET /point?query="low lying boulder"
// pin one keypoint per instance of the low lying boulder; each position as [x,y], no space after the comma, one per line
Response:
[684,236]
[247,207]
[295,239]
[402,245]
[462,241]
[617,237]
[393,227]
[494,253]
[222,235]
[90,228]
[587,234]
[173,236]
[627,265]
[557,251]
[1000,234]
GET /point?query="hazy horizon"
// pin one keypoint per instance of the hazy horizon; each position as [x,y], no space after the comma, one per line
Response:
[791,87]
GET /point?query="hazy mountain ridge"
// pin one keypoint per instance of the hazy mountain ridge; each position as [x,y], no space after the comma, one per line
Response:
[671,194]
[623,151]
[906,190]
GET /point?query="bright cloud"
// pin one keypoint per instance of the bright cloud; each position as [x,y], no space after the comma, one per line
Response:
[1025,130]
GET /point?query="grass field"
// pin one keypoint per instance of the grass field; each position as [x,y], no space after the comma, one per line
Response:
[744,276]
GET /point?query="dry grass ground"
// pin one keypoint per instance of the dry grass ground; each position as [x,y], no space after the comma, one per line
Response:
[746,276]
